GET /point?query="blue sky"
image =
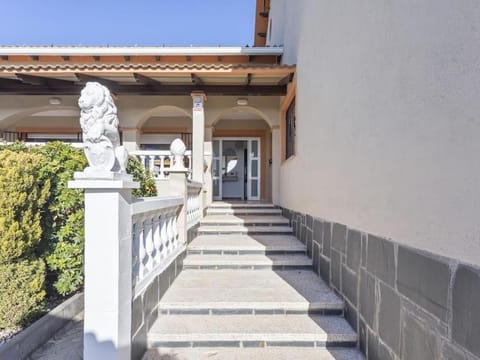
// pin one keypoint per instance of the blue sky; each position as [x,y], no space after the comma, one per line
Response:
[127,22]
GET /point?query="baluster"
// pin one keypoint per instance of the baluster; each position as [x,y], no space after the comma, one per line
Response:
[190,172]
[141,252]
[164,234]
[143,160]
[174,226]
[149,246]
[157,241]
[151,163]
[135,254]
[162,166]
[170,231]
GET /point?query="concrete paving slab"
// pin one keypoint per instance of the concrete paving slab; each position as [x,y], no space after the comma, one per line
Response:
[238,242]
[247,260]
[243,219]
[66,344]
[241,204]
[278,329]
[243,211]
[252,354]
[242,229]
[289,290]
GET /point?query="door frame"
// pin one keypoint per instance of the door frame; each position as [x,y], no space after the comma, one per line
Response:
[248,139]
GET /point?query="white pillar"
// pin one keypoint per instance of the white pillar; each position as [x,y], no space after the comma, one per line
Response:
[208,185]
[131,138]
[276,161]
[198,135]
[108,265]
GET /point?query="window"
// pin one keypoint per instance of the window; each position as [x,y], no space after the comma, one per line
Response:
[290,130]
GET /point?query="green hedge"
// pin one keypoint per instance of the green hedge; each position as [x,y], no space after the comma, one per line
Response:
[23,196]
[22,292]
[41,220]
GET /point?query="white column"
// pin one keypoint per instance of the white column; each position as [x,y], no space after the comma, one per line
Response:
[108,265]
[131,138]
[276,161]
[198,135]
[208,186]
[177,185]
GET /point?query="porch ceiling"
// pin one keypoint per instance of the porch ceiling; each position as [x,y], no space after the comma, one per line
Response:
[146,78]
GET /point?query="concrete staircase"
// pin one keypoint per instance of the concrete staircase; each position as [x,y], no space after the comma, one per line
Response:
[248,292]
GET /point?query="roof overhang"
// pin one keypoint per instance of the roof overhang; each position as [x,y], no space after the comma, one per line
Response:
[137,51]
[144,70]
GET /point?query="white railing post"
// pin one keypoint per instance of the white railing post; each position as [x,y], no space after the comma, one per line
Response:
[177,185]
[108,264]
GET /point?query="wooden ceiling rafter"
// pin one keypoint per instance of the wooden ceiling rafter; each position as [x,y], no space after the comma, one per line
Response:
[196,79]
[43,81]
[84,78]
[248,79]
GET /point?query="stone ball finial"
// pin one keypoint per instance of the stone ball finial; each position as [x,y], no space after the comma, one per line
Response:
[178,148]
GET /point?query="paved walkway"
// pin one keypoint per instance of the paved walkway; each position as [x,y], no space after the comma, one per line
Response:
[67,344]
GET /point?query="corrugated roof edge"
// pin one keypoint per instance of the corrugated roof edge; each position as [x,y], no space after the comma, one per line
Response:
[137,66]
[133,50]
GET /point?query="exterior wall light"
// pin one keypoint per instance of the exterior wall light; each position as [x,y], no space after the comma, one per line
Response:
[242,102]
[54,101]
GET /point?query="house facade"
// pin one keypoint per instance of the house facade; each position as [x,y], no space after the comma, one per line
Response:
[359,121]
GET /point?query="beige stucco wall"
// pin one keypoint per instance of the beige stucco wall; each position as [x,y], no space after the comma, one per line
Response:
[388,118]
[135,111]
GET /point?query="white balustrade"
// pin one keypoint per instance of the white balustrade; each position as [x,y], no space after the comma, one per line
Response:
[159,162]
[194,204]
[155,237]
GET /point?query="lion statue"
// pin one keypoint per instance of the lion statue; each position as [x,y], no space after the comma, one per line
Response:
[99,122]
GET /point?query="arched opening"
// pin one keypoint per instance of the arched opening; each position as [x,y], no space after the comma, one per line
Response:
[160,126]
[241,155]
[43,124]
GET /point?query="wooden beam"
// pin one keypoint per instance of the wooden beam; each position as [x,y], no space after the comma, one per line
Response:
[286,80]
[127,58]
[66,58]
[158,58]
[9,82]
[35,57]
[43,81]
[196,79]
[18,88]
[142,79]
[188,58]
[96,58]
[249,79]
[84,78]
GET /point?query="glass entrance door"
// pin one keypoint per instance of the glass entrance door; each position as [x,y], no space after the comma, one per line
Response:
[228,162]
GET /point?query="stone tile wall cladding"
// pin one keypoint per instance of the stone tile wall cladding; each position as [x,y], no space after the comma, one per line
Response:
[145,305]
[404,303]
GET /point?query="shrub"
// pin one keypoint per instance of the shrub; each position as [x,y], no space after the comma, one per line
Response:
[147,184]
[22,199]
[22,292]
[62,219]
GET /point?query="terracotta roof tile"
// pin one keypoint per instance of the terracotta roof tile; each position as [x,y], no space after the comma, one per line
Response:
[137,67]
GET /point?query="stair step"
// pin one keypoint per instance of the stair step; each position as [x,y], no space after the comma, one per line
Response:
[215,353]
[240,205]
[251,331]
[245,244]
[242,229]
[254,262]
[238,292]
[245,220]
[244,211]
